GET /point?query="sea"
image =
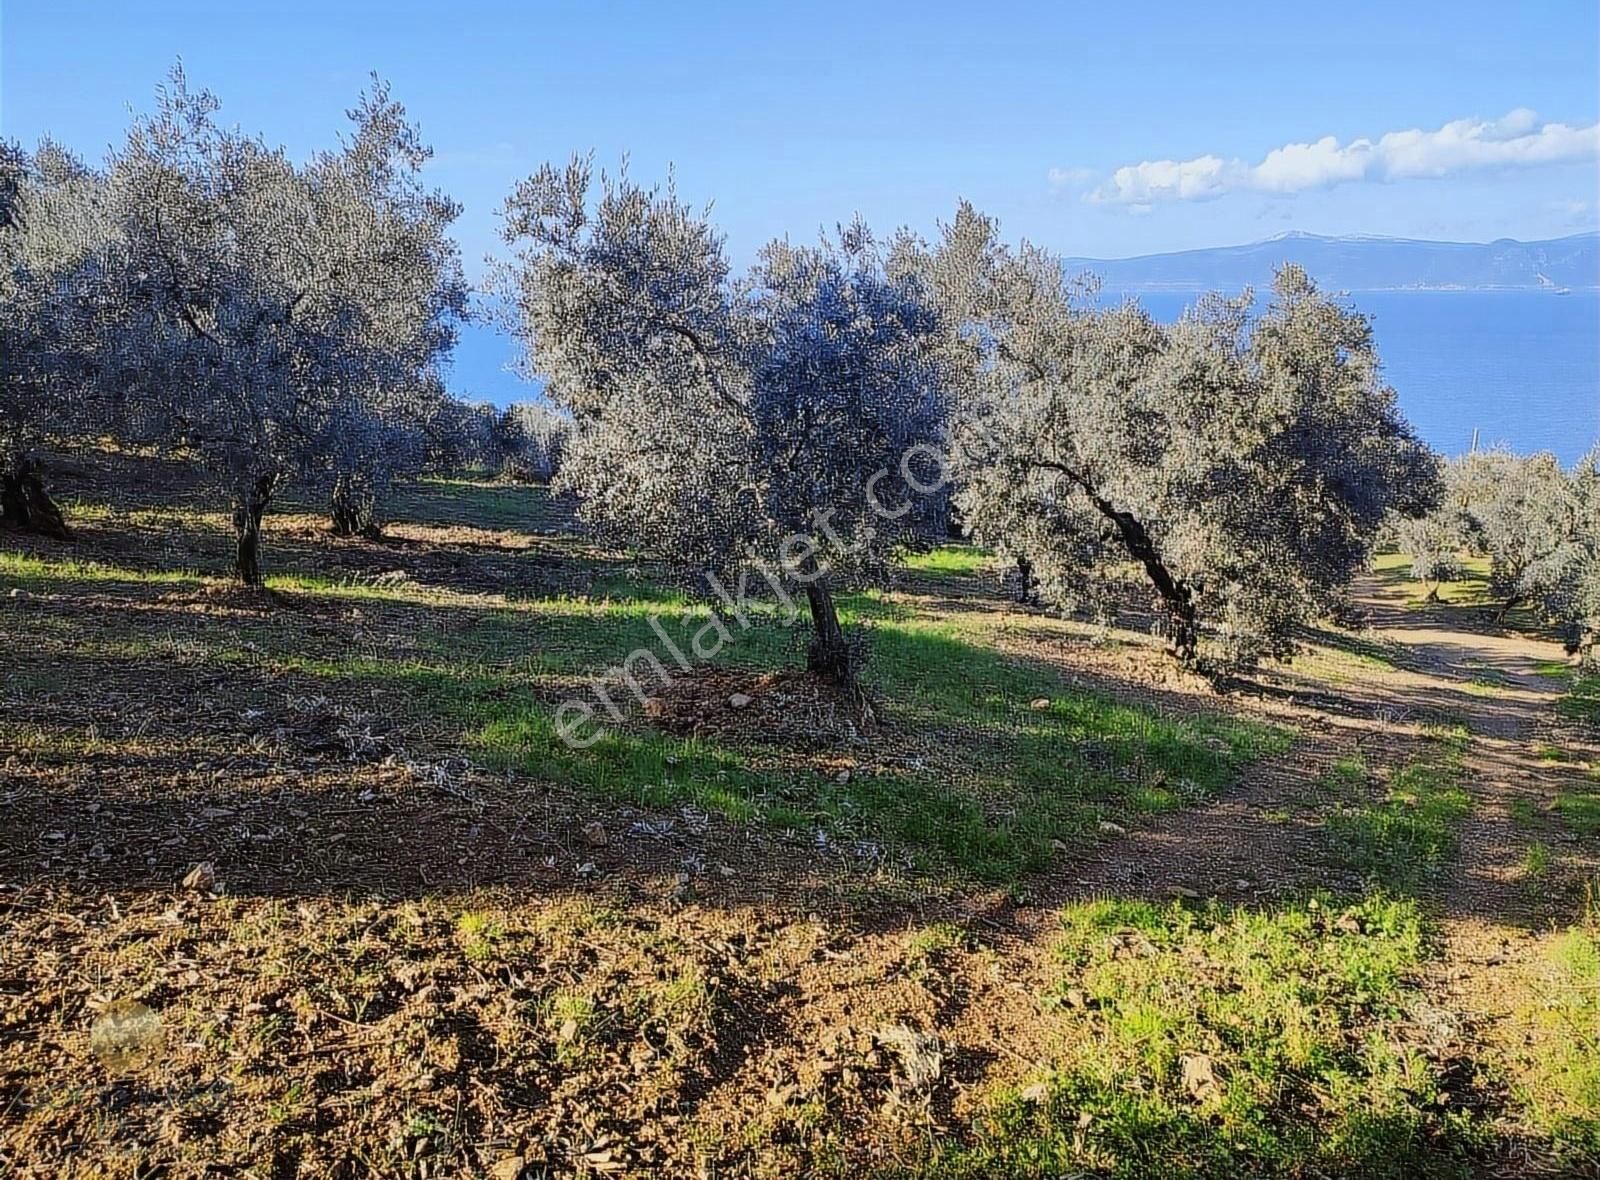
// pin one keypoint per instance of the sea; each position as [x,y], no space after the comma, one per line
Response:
[1518,368]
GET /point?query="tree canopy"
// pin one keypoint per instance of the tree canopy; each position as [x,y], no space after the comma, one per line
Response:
[53,231]
[1539,527]
[263,309]
[729,424]
[1236,467]
[802,421]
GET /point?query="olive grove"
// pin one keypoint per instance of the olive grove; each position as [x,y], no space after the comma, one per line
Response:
[276,319]
[802,423]
[731,424]
[1236,467]
[1537,524]
[53,231]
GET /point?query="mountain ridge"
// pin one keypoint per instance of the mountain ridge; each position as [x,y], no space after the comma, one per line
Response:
[1362,263]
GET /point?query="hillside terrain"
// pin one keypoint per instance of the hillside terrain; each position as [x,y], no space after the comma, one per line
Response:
[301,882]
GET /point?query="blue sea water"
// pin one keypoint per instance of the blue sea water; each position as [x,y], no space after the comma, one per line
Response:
[1518,367]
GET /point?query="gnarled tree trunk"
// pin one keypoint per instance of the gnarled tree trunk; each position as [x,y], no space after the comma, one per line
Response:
[1507,607]
[1177,596]
[354,507]
[24,502]
[249,506]
[1185,628]
[830,655]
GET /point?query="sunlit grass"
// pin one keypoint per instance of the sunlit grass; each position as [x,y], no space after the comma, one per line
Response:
[1553,669]
[1226,1042]
[1404,837]
[1556,1075]
[29,571]
[1472,589]
[1016,759]
[950,559]
[1536,862]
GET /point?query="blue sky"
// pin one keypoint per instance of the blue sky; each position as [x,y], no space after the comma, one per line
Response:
[793,117]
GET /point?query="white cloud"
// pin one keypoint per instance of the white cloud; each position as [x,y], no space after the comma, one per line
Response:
[1156,180]
[1298,166]
[1518,140]
[1576,212]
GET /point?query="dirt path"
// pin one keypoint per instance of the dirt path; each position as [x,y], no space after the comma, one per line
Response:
[1504,701]
[1497,921]
[1420,669]
[1436,668]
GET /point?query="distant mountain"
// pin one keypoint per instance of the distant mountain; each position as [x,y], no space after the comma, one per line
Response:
[1363,264]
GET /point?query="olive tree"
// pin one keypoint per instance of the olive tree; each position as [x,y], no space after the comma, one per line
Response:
[1538,525]
[1521,512]
[531,439]
[459,436]
[372,441]
[1236,467]
[261,300]
[731,425]
[53,234]
[1582,620]
[1435,543]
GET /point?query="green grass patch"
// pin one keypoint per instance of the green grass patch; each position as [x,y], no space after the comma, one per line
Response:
[1010,778]
[1345,777]
[1560,1082]
[972,779]
[1582,699]
[1229,1041]
[1523,813]
[960,560]
[1472,589]
[476,503]
[1401,839]
[1371,653]
[1580,811]
[29,572]
[929,942]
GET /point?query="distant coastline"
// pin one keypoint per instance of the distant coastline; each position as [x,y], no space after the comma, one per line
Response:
[1362,265]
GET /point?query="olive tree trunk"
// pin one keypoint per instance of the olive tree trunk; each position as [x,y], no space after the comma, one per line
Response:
[1177,596]
[1185,631]
[830,655]
[249,507]
[24,502]
[354,507]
